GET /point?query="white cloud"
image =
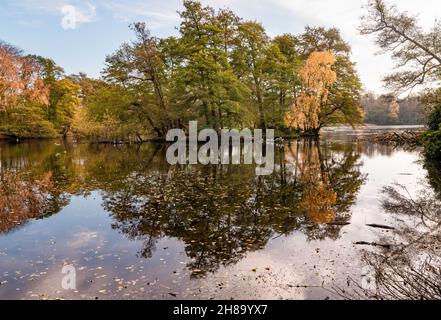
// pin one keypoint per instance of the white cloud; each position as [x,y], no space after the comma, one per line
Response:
[158,14]
[73,16]
[345,15]
[278,16]
[72,13]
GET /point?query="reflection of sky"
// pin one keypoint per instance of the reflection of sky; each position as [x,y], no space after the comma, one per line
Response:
[382,170]
[108,264]
[81,235]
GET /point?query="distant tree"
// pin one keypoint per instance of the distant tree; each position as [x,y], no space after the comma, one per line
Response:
[394,109]
[389,110]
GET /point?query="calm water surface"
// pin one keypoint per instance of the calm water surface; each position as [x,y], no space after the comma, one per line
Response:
[137,228]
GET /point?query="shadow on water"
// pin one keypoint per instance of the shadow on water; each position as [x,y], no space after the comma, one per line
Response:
[219,212]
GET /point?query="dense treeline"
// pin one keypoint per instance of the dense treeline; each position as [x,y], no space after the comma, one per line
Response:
[221,70]
[387,110]
[36,99]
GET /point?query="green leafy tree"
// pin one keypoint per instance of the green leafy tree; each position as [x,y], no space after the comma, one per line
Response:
[281,68]
[140,67]
[248,62]
[205,81]
[64,95]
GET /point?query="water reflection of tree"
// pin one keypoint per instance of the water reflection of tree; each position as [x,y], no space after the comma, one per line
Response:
[22,199]
[371,149]
[222,212]
[35,182]
[434,175]
[216,211]
[411,267]
[219,212]
[329,178]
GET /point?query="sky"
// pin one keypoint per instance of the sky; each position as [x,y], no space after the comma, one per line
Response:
[46,27]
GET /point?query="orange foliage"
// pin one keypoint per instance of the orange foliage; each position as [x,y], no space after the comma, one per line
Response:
[317,75]
[20,79]
[21,200]
[318,201]
[318,198]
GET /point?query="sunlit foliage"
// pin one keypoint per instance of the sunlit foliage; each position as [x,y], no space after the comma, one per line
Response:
[317,76]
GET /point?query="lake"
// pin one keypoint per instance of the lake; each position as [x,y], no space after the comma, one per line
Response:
[135,227]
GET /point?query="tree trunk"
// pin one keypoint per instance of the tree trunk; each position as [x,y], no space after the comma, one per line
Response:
[220,117]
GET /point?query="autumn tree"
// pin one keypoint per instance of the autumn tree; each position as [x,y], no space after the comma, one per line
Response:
[23,95]
[20,79]
[36,99]
[317,76]
[344,95]
[64,95]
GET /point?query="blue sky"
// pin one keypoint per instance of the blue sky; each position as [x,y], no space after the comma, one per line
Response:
[43,26]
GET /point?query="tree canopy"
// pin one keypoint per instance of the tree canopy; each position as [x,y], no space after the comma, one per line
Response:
[222,70]
[35,98]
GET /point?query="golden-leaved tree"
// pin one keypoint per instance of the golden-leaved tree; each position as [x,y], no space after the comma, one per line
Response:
[317,76]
